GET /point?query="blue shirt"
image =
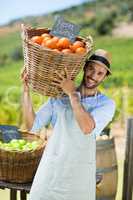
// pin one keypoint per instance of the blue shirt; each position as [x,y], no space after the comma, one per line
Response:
[100,107]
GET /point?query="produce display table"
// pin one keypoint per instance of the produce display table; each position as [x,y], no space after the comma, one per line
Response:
[24,188]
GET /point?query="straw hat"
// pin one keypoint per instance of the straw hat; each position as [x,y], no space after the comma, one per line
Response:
[102,58]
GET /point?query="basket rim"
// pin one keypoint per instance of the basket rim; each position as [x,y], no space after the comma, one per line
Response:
[25,29]
[58,53]
[42,145]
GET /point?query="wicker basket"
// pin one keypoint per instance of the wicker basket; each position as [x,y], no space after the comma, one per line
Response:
[20,167]
[41,62]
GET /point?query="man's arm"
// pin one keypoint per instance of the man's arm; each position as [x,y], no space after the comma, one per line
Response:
[93,122]
[27,108]
[84,119]
[34,121]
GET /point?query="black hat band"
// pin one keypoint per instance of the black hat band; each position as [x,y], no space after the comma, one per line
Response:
[101,59]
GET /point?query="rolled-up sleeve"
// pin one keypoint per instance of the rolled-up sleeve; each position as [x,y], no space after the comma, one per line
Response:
[43,116]
[102,116]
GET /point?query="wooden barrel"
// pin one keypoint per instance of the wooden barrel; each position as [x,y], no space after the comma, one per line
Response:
[107,166]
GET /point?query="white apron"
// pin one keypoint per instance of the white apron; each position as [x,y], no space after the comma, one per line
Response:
[67,170]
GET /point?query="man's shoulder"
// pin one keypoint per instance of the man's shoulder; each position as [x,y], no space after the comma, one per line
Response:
[106,100]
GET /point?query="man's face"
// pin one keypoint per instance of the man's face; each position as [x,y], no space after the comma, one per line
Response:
[94,75]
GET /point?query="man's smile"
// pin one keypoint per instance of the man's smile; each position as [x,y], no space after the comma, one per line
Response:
[90,82]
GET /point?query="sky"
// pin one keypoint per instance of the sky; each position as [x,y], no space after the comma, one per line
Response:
[12,9]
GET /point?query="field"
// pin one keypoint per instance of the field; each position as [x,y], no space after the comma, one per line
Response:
[10,83]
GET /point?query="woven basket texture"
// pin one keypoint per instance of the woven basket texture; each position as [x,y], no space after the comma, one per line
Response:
[42,63]
[20,166]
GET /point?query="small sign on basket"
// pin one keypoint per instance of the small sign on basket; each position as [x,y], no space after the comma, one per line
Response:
[7,133]
[63,28]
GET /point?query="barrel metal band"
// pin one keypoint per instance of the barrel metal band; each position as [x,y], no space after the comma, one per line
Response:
[106,170]
[112,197]
[111,146]
[106,143]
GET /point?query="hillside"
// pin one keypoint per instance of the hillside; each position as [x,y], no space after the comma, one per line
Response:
[98,17]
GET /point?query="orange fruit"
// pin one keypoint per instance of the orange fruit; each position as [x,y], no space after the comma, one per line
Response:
[37,39]
[66,51]
[80,50]
[71,48]
[46,35]
[56,50]
[63,43]
[44,41]
[51,44]
[76,45]
[56,39]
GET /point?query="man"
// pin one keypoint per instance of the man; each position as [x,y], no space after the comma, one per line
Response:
[77,119]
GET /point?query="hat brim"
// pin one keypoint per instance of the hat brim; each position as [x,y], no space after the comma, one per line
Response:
[101,64]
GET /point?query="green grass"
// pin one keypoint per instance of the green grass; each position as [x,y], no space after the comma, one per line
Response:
[10,76]
[9,42]
[121,50]
[122,59]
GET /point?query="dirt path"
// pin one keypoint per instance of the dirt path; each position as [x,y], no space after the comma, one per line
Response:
[5,30]
[123,30]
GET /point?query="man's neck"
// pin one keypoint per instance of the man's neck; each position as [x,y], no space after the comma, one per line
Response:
[87,92]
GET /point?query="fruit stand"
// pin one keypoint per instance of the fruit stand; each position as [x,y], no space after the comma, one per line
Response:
[19,160]
[15,183]
[24,188]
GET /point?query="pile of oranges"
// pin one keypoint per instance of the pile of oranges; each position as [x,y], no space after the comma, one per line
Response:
[63,44]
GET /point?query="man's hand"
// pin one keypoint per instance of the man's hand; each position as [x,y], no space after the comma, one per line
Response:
[66,84]
[84,119]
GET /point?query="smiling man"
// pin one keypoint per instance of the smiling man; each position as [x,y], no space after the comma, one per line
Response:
[68,166]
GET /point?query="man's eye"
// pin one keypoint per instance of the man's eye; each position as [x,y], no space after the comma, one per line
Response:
[100,73]
[90,68]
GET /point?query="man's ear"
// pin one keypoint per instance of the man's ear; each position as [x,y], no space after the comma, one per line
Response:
[105,77]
